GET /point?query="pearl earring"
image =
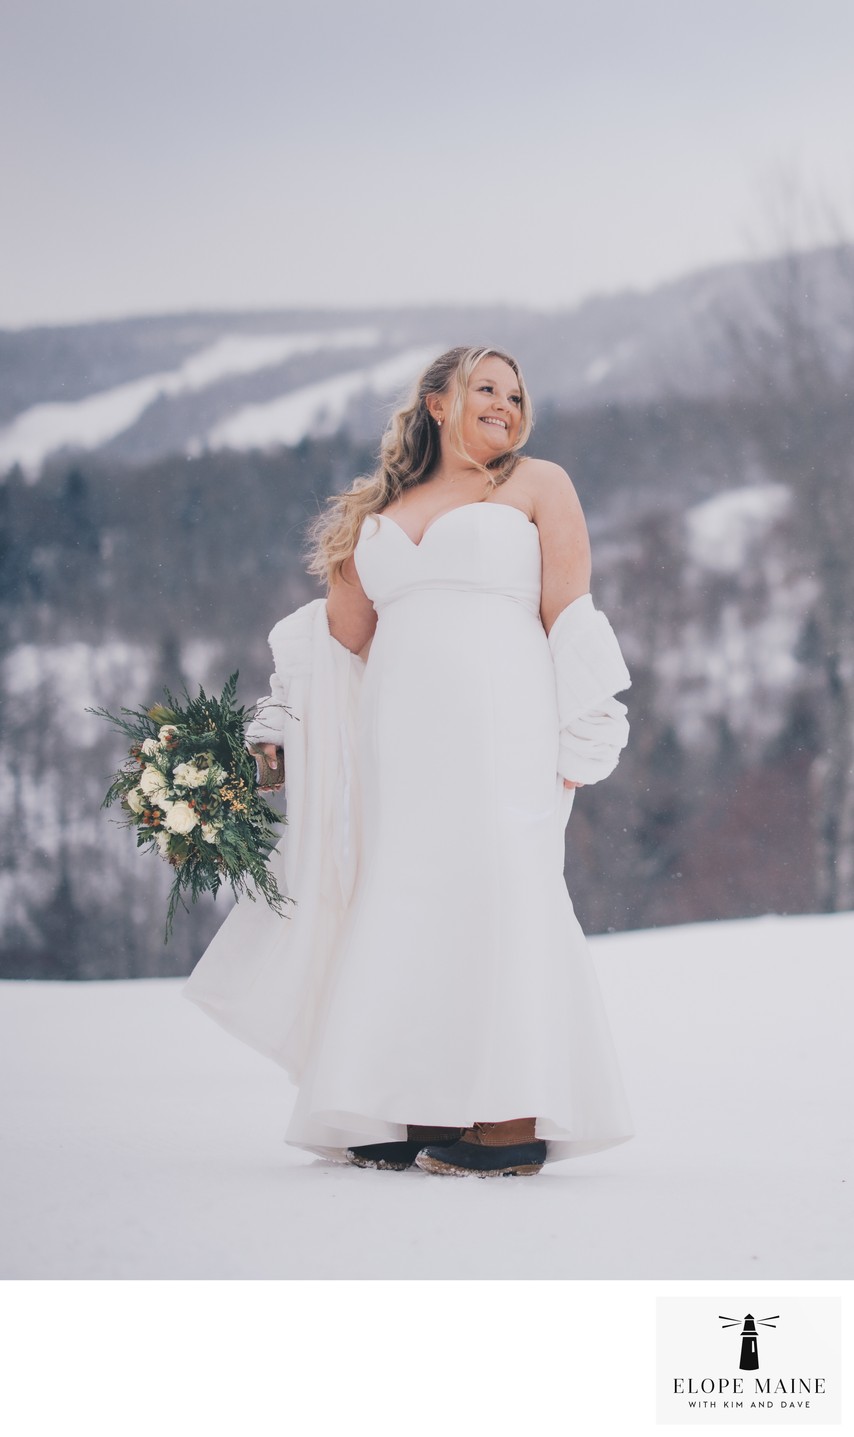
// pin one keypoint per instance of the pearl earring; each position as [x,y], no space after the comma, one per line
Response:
[439,423]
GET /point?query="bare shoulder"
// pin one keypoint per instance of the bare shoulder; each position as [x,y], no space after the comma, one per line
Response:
[551,491]
[547,482]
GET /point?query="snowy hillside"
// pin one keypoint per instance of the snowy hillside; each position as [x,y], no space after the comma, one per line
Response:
[93,421]
[719,642]
[715,645]
[143,388]
[144,1142]
[741,602]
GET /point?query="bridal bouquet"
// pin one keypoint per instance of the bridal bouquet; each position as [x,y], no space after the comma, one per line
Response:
[190,789]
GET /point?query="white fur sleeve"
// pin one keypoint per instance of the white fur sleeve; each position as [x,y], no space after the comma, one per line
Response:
[291,646]
[268,723]
[589,671]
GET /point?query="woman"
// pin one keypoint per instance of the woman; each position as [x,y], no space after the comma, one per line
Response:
[459,1026]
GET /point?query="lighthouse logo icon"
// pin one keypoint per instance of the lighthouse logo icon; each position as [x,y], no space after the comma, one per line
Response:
[749,1337]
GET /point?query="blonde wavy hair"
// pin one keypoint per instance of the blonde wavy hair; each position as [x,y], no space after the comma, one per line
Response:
[409,453]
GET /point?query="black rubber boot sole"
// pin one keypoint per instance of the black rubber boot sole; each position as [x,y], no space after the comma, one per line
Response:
[464,1159]
[396,1156]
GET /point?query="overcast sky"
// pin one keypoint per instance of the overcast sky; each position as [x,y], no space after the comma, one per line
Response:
[170,154]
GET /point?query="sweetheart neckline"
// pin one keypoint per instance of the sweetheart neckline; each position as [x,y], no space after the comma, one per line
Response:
[446,513]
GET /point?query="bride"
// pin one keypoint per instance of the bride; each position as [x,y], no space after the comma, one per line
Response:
[454,1021]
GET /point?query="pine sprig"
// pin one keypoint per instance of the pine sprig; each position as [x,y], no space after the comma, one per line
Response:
[189,787]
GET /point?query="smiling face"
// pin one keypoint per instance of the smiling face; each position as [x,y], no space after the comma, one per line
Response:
[487,419]
[492,414]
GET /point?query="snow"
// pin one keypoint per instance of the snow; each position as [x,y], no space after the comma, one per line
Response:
[743,607]
[73,676]
[247,353]
[737,665]
[722,531]
[87,423]
[144,1142]
[600,367]
[597,369]
[315,409]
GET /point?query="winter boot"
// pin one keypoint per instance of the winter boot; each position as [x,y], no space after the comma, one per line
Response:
[488,1150]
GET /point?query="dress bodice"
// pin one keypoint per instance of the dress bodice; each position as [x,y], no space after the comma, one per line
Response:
[485,547]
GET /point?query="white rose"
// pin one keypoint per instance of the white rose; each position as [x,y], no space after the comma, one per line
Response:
[181,818]
[167,730]
[151,746]
[152,783]
[162,841]
[135,800]
[211,832]
[188,776]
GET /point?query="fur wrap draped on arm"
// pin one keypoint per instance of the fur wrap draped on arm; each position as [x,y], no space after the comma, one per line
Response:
[589,671]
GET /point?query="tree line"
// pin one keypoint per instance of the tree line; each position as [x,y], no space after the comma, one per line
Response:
[117,580]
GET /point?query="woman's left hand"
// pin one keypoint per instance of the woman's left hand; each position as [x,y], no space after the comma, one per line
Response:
[570,783]
[269,765]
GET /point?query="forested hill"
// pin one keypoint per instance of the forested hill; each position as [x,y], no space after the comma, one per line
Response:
[114,583]
[722,516]
[141,389]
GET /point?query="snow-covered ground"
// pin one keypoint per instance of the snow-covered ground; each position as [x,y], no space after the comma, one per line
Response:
[141,1141]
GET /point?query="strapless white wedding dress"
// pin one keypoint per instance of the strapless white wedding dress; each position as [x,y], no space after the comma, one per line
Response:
[463,988]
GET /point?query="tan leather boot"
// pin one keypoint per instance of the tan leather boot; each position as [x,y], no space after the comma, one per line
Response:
[500,1135]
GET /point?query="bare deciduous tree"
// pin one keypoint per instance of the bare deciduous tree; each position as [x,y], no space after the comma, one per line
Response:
[791,347]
